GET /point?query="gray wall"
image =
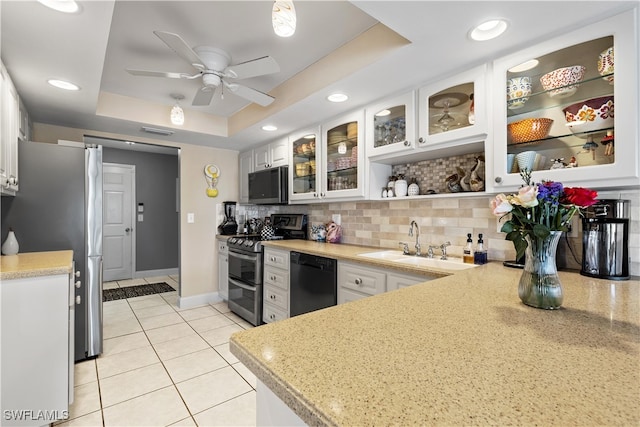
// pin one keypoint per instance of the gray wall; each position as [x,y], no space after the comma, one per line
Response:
[157,236]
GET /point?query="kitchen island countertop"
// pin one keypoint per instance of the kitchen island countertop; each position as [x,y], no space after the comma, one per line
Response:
[35,264]
[458,350]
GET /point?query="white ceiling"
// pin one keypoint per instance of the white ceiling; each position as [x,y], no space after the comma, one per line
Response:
[93,48]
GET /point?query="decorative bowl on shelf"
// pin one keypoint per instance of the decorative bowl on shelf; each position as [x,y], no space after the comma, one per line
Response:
[526,160]
[518,91]
[562,82]
[529,130]
[605,65]
[592,114]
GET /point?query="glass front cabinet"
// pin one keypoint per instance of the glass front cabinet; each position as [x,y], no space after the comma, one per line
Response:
[328,163]
[390,126]
[568,111]
[453,110]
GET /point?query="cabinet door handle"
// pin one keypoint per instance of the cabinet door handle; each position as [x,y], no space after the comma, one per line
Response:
[272,296]
[272,317]
[358,281]
[315,194]
[322,194]
[498,179]
[421,140]
[407,144]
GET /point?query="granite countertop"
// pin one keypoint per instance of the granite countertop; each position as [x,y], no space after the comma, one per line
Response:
[458,350]
[35,264]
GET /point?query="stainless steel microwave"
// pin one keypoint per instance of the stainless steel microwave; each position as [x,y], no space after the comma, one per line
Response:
[269,186]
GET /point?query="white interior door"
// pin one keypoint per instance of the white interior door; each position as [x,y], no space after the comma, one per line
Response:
[118,234]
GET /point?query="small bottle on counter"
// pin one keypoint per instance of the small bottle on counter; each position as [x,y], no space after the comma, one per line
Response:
[480,255]
[247,226]
[467,252]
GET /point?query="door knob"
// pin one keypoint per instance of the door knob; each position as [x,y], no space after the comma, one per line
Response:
[128,229]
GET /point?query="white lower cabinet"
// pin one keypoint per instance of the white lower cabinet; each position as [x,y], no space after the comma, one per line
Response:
[275,285]
[357,281]
[37,349]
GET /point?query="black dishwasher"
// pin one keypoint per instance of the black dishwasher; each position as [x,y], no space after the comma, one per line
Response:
[313,283]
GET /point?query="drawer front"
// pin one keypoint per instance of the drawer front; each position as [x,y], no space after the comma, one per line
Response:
[368,281]
[276,276]
[276,258]
[271,313]
[398,281]
[276,296]
[347,295]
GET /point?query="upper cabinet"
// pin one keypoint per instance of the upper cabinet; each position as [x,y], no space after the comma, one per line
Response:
[390,126]
[245,167]
[9,133]
[329,163]
[454,111]
[568,110]
[272,155]
[304,167]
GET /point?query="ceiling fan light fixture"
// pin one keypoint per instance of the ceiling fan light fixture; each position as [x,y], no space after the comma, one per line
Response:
[283,17]
[488,30]
[65,6]
[177,113]
[63,84]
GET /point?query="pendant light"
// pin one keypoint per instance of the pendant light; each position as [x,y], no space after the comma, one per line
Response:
[177,114]
[283,17]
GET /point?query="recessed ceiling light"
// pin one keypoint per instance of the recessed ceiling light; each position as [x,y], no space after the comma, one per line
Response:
[383,113]
[269,128]
[488,30]
[61,84]
[310,136]
[337,97]
[66,6]
[527,65]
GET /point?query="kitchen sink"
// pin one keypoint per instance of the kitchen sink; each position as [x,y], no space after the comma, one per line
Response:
[397,256]
[451,263]
[388,255]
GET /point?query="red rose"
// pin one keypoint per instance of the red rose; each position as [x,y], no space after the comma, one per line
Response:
[579,196]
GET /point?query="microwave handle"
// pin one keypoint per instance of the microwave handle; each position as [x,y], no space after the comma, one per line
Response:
[242,256]
[242,285]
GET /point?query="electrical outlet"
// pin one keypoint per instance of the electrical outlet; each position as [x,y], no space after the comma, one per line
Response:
[337,218]
[573,226]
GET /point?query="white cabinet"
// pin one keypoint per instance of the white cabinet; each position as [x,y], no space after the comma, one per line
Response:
[578,115]
[398,281]
[37,346]
[245,163]
[9,124]
[275,282]
[454,112]
[223,269]
[391,126]
[356,281]
[272,155]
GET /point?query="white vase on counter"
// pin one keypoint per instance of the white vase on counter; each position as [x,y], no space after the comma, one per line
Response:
[401,187]
[10,245]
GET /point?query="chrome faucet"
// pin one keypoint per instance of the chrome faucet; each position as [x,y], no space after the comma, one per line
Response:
[443,248]
[418,253]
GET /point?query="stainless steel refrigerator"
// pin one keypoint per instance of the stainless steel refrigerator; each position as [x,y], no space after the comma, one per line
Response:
[59,206]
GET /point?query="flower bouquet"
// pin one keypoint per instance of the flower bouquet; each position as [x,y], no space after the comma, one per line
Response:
[539,215]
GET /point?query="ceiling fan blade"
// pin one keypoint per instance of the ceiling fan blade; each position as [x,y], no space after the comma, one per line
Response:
[251,94]
[156,74]
[203,96]
[253,68]
[181,48]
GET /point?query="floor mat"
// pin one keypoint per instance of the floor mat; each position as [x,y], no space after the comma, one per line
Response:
[135,291]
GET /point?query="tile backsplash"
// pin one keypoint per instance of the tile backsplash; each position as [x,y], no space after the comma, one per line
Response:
[449,218]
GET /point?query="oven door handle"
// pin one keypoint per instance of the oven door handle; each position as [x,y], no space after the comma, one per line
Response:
[242,285]
[242,256]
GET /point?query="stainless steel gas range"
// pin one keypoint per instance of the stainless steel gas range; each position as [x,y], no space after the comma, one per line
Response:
[245,265]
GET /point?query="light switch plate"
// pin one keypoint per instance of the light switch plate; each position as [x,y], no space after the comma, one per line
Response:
[191,218]
[337,218]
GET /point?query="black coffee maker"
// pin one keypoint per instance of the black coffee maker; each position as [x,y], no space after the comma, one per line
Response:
[229,226]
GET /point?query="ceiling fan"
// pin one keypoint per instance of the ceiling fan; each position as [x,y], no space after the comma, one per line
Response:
[212,64]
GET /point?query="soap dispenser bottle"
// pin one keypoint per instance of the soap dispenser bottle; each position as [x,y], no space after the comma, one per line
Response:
[467,252]
[480,255]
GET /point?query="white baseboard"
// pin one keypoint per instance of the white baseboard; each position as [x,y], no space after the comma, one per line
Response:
[199,300]
[156,273]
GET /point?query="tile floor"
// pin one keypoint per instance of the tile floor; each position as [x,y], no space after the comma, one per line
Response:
[164,366]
